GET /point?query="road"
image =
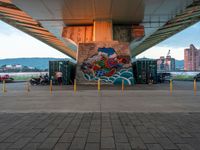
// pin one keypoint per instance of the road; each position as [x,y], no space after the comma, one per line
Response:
[139,98]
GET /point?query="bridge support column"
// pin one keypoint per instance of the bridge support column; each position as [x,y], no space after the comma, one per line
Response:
[100,56]
[103,30]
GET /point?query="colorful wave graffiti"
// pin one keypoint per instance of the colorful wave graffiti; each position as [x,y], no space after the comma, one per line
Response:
[109,67]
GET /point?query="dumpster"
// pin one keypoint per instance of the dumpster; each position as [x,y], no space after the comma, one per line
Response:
[145,71]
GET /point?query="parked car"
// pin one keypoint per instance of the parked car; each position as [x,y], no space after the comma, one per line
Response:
[6,78]
[164,77]
[197,77]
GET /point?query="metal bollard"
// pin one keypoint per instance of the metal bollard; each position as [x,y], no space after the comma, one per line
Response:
[171,87]
[99,85]
[4,86]
[75,87]
[27,87]
[51,87]
[122,85]
[195,87]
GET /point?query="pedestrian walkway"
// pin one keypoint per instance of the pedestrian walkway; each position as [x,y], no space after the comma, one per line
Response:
[105,101]
[100,131]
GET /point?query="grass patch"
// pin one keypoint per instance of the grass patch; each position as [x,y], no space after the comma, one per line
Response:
[183,77]
[24,77]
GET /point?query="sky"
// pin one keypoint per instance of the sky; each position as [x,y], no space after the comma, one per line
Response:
[176,44]
[17,44]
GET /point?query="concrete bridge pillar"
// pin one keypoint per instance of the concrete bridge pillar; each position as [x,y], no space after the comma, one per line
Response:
[103,30]
[103,52]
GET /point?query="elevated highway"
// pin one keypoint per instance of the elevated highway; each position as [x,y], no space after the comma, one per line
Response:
[160,18]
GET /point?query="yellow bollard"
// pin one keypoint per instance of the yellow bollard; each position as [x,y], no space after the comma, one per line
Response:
[171,87]
[4,86]
[75,88]
[99,85]
[27,87]
[51,87]
[195,87]
[122,85]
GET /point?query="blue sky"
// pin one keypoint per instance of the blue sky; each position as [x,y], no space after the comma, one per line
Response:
[15,44]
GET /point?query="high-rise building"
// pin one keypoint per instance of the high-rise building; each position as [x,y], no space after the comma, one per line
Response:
[166,64]
[170,64]
[161,64]
[192,58]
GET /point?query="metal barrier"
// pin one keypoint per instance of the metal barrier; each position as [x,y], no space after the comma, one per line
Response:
[4,87]
[195,87]
[171,87]
[51,87]
[99,85]
[122,85]
[75,86]
[27,87]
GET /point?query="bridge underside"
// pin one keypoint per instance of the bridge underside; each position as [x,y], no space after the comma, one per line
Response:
[181,21]
[14,16]
[63,24]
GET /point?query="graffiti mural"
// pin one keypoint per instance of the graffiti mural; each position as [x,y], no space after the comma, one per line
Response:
[108,65]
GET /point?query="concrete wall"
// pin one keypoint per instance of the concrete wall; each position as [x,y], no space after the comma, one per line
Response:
[109,61]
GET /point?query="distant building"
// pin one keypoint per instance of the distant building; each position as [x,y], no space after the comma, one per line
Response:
[161,64]
[31,68]
[192,59]
[8,66]
[166,64]
[170,64]
[17,66]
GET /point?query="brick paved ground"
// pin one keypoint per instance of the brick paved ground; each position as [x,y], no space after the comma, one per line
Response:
[104,131]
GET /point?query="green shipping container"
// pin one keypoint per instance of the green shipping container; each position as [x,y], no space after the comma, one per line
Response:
[145,70]
[67,68]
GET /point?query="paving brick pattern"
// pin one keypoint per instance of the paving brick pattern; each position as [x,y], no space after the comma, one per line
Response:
[100,131]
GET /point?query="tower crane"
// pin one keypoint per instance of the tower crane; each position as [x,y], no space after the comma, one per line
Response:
[168,54]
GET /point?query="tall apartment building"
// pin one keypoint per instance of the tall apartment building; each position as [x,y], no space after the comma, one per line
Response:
[166,64]
[192,58]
